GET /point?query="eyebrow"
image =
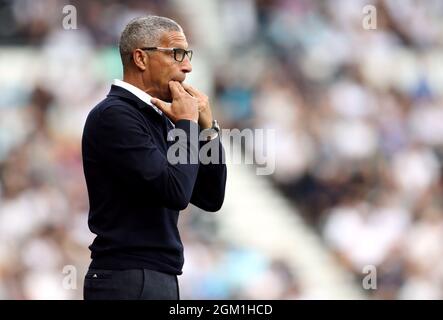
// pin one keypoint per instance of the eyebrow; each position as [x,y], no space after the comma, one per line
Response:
[175,45]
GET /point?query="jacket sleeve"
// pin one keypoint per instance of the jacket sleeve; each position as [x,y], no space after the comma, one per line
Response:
[209,189]
[130,152]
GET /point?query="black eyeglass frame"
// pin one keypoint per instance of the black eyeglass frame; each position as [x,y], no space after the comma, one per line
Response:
[188,53]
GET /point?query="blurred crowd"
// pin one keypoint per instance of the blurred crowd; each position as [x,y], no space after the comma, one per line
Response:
[44,236]
[358,117]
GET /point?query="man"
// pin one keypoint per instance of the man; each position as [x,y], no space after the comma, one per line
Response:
[135,193]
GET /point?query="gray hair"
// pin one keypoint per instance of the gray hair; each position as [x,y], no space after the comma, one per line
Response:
[144,32]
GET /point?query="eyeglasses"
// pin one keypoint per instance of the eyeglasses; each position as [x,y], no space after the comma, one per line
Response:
[179,53]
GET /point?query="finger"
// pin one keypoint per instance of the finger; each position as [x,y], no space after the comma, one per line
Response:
[163,106]
[176,89]
[190,89]
[181,89]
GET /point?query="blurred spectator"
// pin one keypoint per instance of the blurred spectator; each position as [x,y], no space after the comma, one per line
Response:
[43,204]
[358,118]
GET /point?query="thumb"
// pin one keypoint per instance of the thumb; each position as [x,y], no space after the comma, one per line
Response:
[163,106]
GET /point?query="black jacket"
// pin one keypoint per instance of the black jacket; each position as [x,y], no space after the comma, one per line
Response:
[135,194]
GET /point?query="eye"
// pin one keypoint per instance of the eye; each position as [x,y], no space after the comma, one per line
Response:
[181,53]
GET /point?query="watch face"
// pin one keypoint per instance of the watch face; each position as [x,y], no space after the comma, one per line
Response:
[215,126]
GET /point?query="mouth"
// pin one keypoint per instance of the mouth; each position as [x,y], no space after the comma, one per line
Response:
[179,79]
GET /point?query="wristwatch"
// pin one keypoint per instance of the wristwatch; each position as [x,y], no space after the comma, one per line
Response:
[215,130]
[215,126]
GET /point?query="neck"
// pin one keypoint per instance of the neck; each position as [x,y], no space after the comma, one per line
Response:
[137,81]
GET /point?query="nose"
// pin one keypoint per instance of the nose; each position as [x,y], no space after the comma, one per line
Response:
[186,66]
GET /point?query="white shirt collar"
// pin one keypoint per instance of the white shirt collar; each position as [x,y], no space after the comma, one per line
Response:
[143,96]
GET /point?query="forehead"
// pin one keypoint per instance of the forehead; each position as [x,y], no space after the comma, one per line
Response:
[174,39]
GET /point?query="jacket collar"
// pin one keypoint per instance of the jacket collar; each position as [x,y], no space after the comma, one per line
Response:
[120,92]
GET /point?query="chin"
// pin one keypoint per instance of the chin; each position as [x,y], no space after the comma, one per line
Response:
[167,97]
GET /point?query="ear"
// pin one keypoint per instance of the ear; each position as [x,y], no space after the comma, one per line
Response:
[140,59]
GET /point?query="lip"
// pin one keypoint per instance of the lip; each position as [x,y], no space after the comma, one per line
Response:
[181,80]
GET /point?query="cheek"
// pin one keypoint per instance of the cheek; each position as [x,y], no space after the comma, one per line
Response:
[162,73]
[159,72]
[166,75]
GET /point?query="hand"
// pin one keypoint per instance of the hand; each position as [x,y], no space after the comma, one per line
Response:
[204,110]
[183,106]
